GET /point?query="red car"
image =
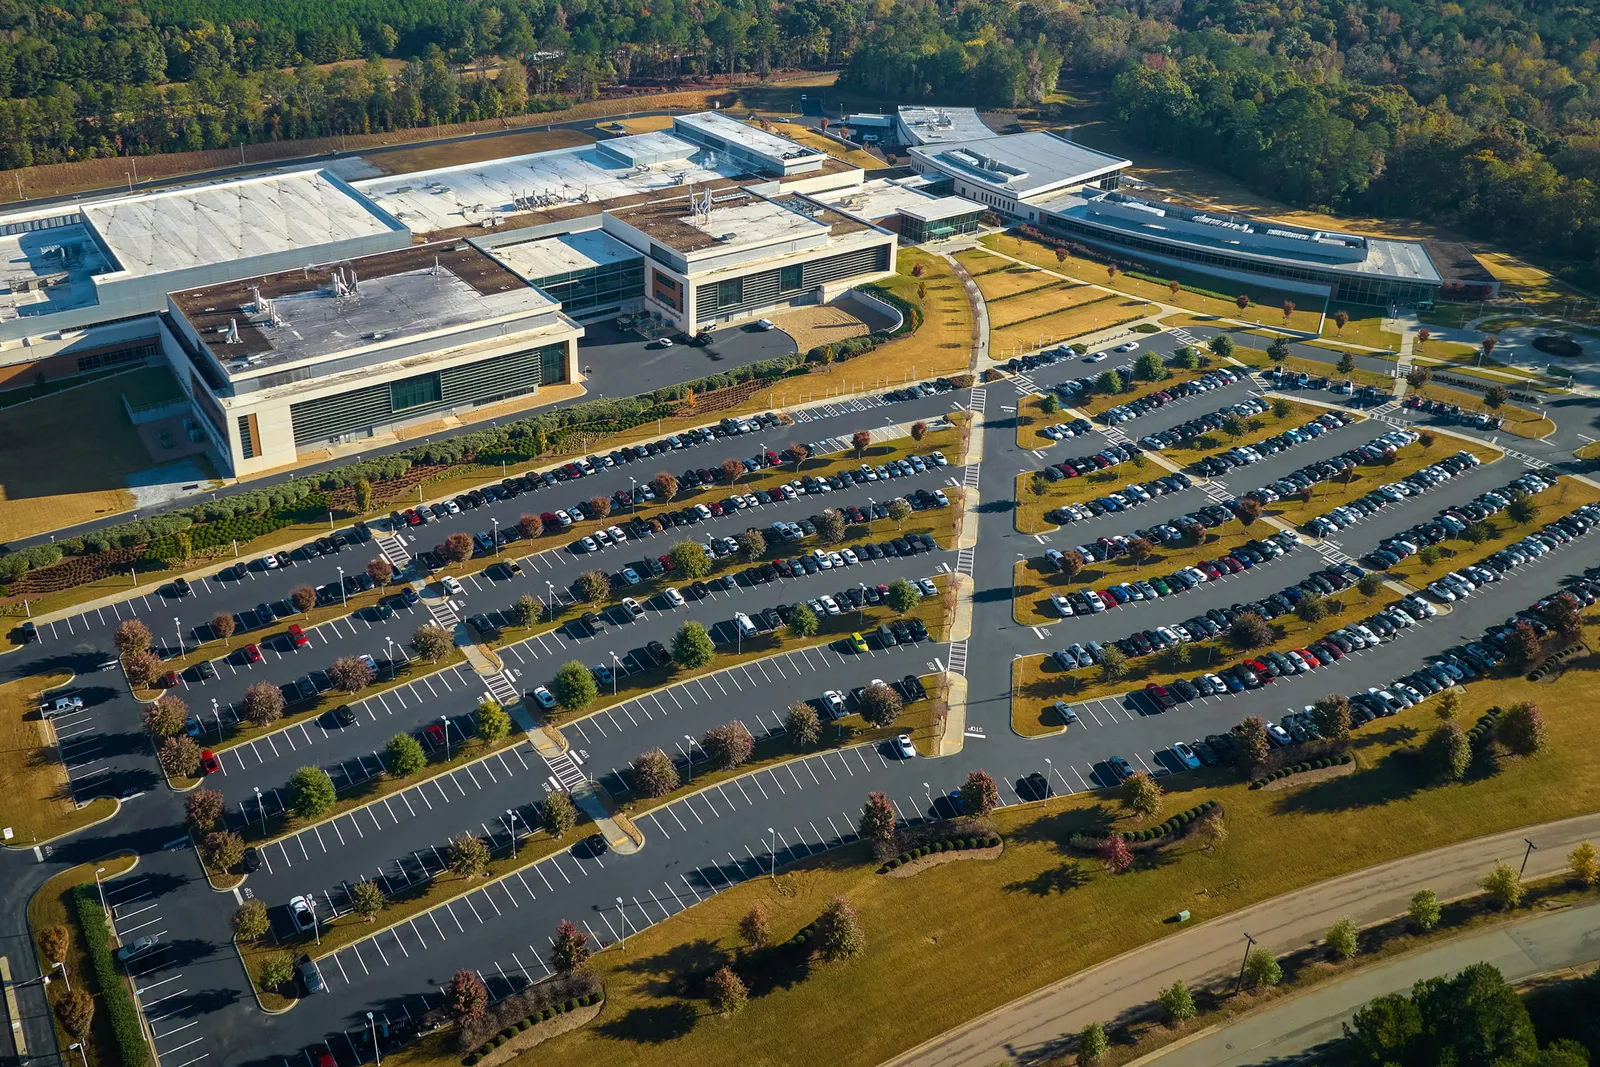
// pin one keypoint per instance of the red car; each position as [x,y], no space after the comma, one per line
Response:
[298,636]
[1161,695]
[411,517]
[1311,658]
[252,654]
[170,680]
[665,561]
[1268,674]
[208,762]
[1211,569]
[435,734]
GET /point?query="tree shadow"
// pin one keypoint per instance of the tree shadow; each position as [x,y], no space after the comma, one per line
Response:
[652,1026]
[1393,779]
[1054,881]
[667,972]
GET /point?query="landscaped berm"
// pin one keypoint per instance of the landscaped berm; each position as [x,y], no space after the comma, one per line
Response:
[1044,909]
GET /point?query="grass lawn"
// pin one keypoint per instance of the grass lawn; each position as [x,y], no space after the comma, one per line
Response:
[1413,457]
[1461,358]
[1589,451]
[1197,292]
[1034,303]
[1014,278]
[476,150]
[1031,421]
[39,804]
[52,906]
[1029,334]
[1258,359]
[1101,401]
[1258,428]
[1518,421]
[979,262]
[1040,913]
[1454,316]
[1029,516]
[1364,328]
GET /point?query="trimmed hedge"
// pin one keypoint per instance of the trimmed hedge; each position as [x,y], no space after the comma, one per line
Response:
[113,990]
[1172,825]
[910,314]
[1482,731]
[949,844]
[1301,768]
[569,1005]
[1552,660]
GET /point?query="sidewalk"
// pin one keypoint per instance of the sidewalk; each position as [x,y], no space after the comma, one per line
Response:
[1041,1023]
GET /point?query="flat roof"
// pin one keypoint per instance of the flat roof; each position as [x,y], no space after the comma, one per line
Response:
[882,198]
[1020,164]
[411,292]
[201,225]
[46,271]
[738,220]
[573,181]
[937,125]
[563,254]
[944,207]
[762,143]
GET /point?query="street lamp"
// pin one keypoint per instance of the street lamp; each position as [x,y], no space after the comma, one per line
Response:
[690,760]
[551,586]
[79,1046]
[388,652]
[178,626]
[861,609]
[623,915]
[216,713]
[772,869]
[1250,943]
[65,977]
[1049,769]
[496,537]
[928,791]
[511,813]
[1525,855]
[616,669]
[377,1053]
[341,587]
[261,806]
[444,721]
[311,906]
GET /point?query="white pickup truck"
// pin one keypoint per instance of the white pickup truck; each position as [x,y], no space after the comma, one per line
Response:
[60,706]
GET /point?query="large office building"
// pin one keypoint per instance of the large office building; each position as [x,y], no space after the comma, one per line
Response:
[300,311]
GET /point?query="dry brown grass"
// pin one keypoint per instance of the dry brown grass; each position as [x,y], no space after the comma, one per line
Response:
[1000,284]
[818,324]
[39,803]
[427,157]
[1101,314]
[1032,305]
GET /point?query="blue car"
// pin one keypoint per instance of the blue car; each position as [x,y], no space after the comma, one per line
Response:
[1232,682]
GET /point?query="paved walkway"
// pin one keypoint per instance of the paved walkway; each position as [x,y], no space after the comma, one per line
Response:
[1307,1025]
[1039,1025]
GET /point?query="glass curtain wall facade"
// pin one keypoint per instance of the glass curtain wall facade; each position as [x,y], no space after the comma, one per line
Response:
[593,291]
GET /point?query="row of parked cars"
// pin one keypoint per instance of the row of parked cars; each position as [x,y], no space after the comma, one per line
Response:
[1245,455]
[1323,470]
[1211,379]
[1454,521]
[1415,484]
[1461,583]
[1210,422]
[1479,420]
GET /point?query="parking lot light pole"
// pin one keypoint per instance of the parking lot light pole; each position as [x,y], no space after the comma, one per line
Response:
[311,906]
[772,868]
[98,871]
[261,806]
[1525,855]
[861,611]
[551,586]
[1049,769]
[65,977]
[79,1046]
[623,915]
[928,789]
[216,713]
[377,1053]
[1250,943]
[388,651]
[444,721]
[690,766]
[342,602]
[496,537]
[511,813]
[616,669]
[178,627]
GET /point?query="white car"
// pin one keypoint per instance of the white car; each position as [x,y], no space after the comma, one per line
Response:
[589,544]
[938,459]
[1060,603]
[849,557]
[451,585]
[1128,347]
[944,501]
[927,587]
[617,534]
[765,324]
[545,698]
[660,342]
[835,702]
[674,597]
[1096,358]
[830,605]
[270,562]
[631,606]
[904,748]
[822,559]
[304,912]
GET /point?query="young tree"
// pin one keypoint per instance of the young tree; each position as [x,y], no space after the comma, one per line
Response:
[1522,647]
[55,941]
[1425,910]
[903,596]
[381,571]
[593,586]
[222,850]
[1417,377]
[1278,350]
[531,526]
[570,950]
[1049,404]
[1448,751]
[404,756]
[880,705]
[140,667]
[458,547]
[1211,832]
[469,855]
[1174,288]
[1249,630]
[1150,367]
[1496,395]
[599,506]
[222,625]
[1178,1002]
[692,647]
[490,721]
[830,526]
[919,430]
[350,675]
[1038,483]
[76,1010]
[803,725]
[304,598]
[653,774]
[1503,885]
[689,560]
[1249,510]
[1288,310]
[1109,382]
[979,794]
[1281,408]
[1115,853]
[431,643]
[1221,346]
[899,511]
[132,636]
[1071,564]
[466,998]
[179,756]
[752,545]
[1142,795]
[1140,550]
[1113,664]
[1243,301]
[275,971]
[839,932]
[1343,939]
[754,928]
[877,818]
[1489,344]
[1584,862]
[363,489]
[1522,728]
[202,808]
[1092,1043]
[263,703]
[1347,364]
[166,717]
[728,746]
[800,453]
[1340,320]
[311,792]
[1251,738]
[726,991]
[1261,968]
[366,900]
[666,486]
[803,622]
[525,611]
[1370,583]
[574,686]
[1449,705]
[558,815]
[250,921]
[1331,716]
[1565,617]
[859,441]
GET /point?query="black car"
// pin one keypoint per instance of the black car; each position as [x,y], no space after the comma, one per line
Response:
[913,687]
[180,586]
[344,715]
[1035,787]
[659,653]
[252,860]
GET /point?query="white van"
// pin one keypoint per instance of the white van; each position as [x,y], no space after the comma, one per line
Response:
[746,627]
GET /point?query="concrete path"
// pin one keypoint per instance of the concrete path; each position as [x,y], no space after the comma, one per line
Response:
[1306,1025]
[1035,1027]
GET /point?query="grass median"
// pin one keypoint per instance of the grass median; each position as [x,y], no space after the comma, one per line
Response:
[1040,913]
[51,905]
[1515,420]
[38,791]
[1029,516]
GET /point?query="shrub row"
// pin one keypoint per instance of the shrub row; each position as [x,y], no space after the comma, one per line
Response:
[910,314]
[1553,660]
[849,348]
[1145,327]
[571,1004]
[113,990]
[1172,825]
[1482,731]
[1299,768]
[953,844]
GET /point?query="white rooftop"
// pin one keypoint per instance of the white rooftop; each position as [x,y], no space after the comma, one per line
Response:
[569,252]
[208,224]
[882,197]
[473,193]
[1021,164]
[936,125]
[46,271]
[756,221]
[762,143]
[656,146]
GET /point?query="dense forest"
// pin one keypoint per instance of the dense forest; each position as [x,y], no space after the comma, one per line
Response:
[1481,115]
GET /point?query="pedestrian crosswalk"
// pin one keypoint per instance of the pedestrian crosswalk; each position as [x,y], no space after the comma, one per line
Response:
[501,689]
[841,407]
[965,560]
[565,770]
[980,397]
[443,612]
[958,658]
[394,550]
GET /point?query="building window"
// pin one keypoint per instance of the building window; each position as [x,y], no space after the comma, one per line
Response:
[116,358]
[552,364]
[665,290]
[247,437]
[730,293]
[414,392]
[789,278]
